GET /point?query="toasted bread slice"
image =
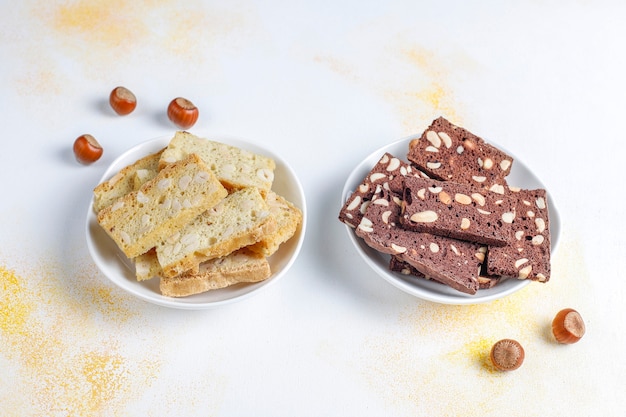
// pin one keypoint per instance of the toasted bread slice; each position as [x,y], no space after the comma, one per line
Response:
[236,168]
[288,219]
[124,181]
[242,266]
[241,219]
[142,219]
[147,266]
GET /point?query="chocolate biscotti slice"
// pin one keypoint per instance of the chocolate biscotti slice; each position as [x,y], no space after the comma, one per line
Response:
[396,264]
[124,181]
[238,267]
[451,153]
[528,255]
[236,168]
[389,172]
[140,220]
[241,219]
[458,211]
[452,262]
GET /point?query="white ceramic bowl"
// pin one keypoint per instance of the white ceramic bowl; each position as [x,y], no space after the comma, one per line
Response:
[121,271]
[520,176]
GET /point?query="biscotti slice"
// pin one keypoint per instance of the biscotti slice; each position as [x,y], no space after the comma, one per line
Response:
[123,182]
[389,172]
[147,265]
[142,219]
[486,280]
[236,168]
[458,211]
[242,266]
[288,218]
[396,264]
[452,262]
[528,255]
[451,153]
[241,219]
[142,176]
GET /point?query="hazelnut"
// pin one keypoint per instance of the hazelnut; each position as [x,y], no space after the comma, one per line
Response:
[507,355]
[87,149]
[568,326]
[182,112]
[122,101]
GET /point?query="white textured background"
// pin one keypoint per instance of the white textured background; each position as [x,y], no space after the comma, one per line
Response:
[324,84]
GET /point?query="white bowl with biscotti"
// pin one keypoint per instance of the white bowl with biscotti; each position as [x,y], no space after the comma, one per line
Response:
[194,222]
[424,216]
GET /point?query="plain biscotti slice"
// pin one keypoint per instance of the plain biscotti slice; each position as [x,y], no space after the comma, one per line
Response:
[458,211]
[389,172]
[236,168]
[238,267]
[453,262]
[124,181]
[140,220]
[147,265]
[241,219]
[288,218]
[528,255]
[142,176]
[451,153]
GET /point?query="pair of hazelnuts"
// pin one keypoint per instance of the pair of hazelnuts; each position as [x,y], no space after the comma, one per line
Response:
[567,327]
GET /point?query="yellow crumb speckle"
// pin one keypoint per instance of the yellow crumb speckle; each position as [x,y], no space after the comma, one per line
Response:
[100,23]
[70,364]
[446,347]
[415,81]
[13,313]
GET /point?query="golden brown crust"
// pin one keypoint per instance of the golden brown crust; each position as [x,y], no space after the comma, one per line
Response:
[238,267]
[141,219]
[241,219]
[123,182]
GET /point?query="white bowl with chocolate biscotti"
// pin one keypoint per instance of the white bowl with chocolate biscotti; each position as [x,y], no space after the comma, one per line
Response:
[450,218]
[190,222]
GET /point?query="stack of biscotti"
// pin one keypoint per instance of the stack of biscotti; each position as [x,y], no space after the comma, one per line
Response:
[448,214]
[198,215]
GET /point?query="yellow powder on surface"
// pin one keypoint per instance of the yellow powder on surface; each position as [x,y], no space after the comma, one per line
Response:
[117,31]
[13,313]
[112,23]
[446,347]
[337,65]
[107,40]
[428,87]
[415,81]
[67,360]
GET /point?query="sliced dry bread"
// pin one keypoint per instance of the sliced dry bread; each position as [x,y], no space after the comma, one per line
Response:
[288,218]
[141,219]
[528,255]
[236,168]
[237,267]
[389,172]
[458,211]
[453,262]
[147,265]
[124,181]
[452,153]
[241,219]
[142,176]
